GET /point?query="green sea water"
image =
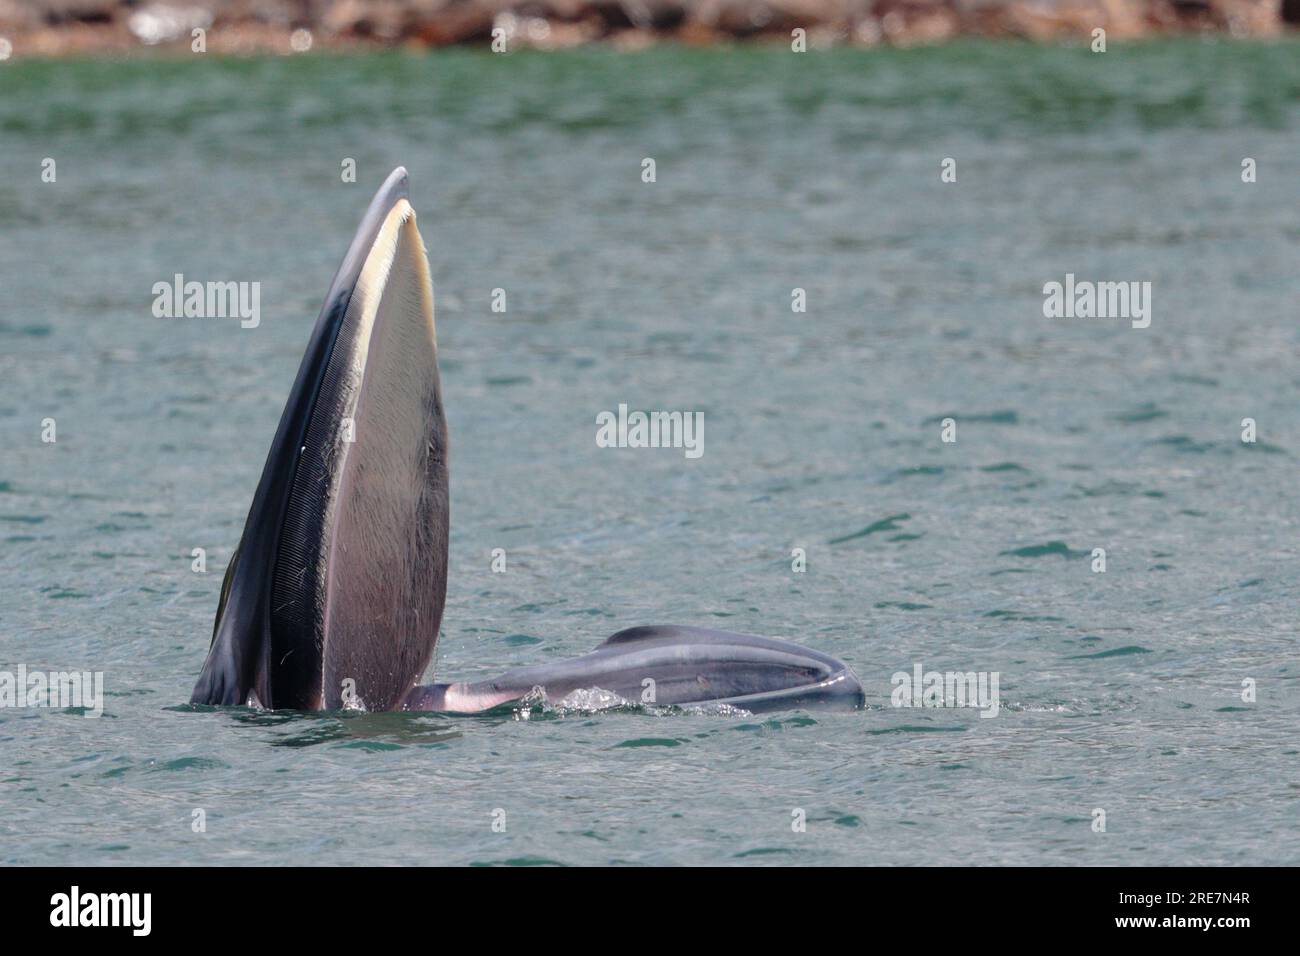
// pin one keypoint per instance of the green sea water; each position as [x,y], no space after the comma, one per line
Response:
[1121,691]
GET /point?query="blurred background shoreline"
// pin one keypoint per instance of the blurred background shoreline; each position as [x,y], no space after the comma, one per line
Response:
[54,28]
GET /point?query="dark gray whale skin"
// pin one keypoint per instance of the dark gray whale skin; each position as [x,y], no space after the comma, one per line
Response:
[687,665]
[262,655]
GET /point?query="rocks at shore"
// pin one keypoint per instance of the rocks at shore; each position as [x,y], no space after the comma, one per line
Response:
[56,27]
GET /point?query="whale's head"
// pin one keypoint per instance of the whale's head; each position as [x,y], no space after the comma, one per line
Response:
[336,592]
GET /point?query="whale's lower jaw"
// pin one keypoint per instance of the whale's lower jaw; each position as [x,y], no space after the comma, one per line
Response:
[668,666]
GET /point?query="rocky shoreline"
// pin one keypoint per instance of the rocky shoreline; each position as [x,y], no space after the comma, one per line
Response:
[46,28]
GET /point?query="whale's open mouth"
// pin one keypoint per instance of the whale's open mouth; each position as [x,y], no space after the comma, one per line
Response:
[335,595]
[336,592]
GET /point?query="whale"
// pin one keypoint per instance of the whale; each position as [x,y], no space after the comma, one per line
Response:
[334,597]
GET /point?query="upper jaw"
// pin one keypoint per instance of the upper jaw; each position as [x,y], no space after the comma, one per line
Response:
[284,589]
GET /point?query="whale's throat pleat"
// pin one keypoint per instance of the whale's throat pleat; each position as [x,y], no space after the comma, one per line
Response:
[360,578]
